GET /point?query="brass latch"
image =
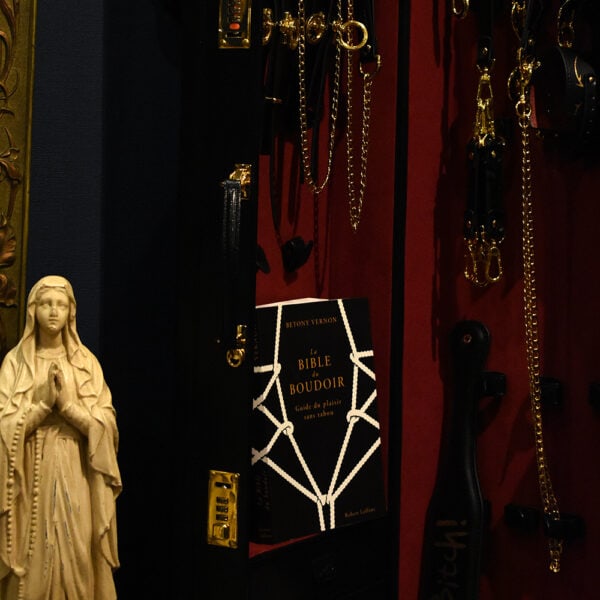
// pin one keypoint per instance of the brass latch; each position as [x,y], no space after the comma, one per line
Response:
[243,174]
[236,355]
[222,527]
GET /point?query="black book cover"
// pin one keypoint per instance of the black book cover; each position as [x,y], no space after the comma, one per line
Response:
[316,444]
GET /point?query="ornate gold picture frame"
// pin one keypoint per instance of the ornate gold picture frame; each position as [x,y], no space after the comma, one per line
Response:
[17,45]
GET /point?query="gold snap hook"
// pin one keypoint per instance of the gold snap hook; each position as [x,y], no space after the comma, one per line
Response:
[370,74]
[493,266]
[476,265]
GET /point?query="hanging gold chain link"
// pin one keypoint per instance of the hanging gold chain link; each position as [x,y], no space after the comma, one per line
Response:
[356,197]
[345,39]
[315,187]
[548,498]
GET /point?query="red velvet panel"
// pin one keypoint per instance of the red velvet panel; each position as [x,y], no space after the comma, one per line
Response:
[442,83]
[441,105]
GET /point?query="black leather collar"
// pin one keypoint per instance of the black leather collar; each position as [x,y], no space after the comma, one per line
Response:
[565,94]
[566,97]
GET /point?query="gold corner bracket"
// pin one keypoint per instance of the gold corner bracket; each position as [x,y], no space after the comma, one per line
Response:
[234,23]
[222,527]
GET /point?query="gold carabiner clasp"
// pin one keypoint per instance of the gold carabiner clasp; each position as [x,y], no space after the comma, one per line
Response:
[484,115]
[476,262]
[493,263]
[369,74]
[483,261]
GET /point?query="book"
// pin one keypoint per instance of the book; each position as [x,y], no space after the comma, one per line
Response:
[316,443]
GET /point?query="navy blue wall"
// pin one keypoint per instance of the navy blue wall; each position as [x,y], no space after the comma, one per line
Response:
[66,158]
[105,155]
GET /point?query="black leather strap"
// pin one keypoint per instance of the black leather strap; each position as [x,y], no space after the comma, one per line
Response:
[231,235]
[486,12]
[484,213]
[484,201]
[534,11]
[365,13]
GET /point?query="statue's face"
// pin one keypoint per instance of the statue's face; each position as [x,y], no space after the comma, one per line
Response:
[52,310]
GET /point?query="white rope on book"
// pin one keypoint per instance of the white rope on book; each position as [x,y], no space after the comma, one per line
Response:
[286,427]
[352,416]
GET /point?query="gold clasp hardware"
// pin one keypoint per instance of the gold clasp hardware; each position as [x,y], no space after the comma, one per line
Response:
[222,525]
[475,263]
[493,265]
[566,34]
[525,67]
[484,116]
[315,27]
[267,25]
[483,261]
[520,80]
[290,30]
[367,75]
[243,174]
[565,27]
[460,9]
[517,16]
[235,356]
[345,34]
[289,26]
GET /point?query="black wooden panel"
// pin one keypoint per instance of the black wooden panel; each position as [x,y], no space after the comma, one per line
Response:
[220,128]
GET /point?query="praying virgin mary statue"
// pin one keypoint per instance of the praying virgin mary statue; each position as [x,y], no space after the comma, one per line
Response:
[59,477]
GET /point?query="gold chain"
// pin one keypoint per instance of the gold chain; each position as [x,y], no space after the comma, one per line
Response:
[356,198]
[549,501]
[345,32]
[316,188]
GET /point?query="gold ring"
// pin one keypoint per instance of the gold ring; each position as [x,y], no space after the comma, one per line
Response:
[345,27]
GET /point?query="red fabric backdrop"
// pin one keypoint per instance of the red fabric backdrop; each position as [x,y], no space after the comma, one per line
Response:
[442,82]
[442,89]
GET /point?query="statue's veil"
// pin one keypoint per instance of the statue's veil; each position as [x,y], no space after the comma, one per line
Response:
[71,339]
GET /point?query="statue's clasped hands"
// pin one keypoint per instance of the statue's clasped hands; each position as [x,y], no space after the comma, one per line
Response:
[59,392]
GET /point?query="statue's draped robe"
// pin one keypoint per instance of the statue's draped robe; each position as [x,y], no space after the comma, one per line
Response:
[57,511]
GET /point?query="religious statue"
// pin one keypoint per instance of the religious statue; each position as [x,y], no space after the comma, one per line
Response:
[59,477]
